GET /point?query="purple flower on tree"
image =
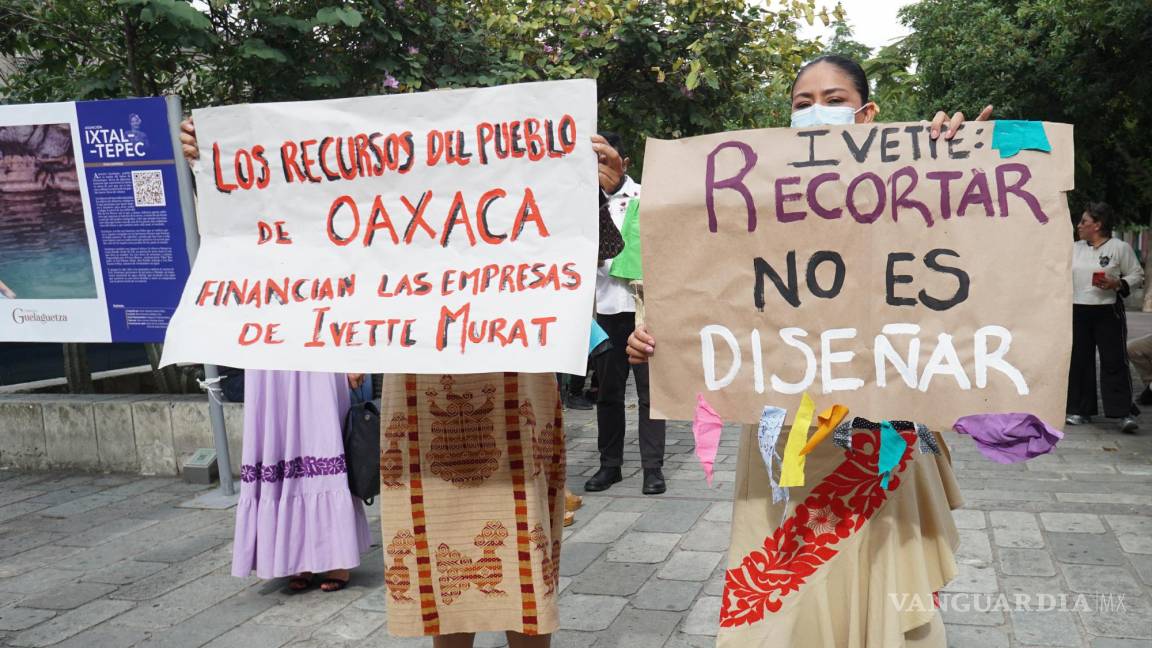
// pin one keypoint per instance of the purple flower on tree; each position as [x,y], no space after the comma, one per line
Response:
[413,50]
[390,81]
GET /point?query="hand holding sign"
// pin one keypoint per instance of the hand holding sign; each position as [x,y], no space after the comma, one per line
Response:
[609,165]
[641,345]
[953,123]
[188,141]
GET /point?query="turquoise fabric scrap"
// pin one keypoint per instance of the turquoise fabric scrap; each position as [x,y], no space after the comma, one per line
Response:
[596,337]
[892,447]
[1010,136]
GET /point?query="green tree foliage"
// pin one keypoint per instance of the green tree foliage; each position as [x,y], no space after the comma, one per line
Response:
[1084,62]
[667,68]
[895,87]
[842,43]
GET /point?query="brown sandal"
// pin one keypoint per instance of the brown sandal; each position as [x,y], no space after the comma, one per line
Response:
[333,584]
[300,582]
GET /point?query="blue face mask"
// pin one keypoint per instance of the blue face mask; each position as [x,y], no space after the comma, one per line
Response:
[821,115]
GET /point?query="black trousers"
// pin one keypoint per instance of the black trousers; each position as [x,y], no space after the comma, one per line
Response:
[574,385]
[1103,328]
[612,367]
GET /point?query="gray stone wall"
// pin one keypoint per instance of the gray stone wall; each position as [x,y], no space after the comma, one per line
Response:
[144,434]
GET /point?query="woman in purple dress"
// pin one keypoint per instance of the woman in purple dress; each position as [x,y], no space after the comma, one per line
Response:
[296,516]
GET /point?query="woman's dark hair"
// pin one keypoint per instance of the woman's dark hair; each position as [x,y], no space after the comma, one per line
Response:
[846,65]
[1102,213]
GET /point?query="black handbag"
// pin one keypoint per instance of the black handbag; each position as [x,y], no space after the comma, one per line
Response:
[362,449]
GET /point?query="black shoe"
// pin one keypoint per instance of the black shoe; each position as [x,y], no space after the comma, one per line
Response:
[577,402]
[1145,397]
[653,482]
[603,480]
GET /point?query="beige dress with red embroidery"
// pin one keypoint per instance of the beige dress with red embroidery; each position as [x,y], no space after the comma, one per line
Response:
[845,563]
[471,502]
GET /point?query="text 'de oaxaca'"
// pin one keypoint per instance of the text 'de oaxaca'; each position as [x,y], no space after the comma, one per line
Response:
[440,232]
[867,265]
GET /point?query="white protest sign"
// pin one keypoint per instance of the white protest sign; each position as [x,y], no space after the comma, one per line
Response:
[451,231]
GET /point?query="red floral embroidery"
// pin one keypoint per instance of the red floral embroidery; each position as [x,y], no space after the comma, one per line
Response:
[835,509]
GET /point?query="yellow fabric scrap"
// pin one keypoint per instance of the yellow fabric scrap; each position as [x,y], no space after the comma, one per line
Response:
[828,420]
[792,465]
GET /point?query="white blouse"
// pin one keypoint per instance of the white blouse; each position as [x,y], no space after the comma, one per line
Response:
[1115,257]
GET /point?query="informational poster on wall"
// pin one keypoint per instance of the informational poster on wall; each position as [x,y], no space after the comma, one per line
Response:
[440,232]
[92,239]
[867,265]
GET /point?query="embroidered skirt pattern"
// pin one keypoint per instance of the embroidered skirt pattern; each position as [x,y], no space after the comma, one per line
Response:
[844,563]
[471,502]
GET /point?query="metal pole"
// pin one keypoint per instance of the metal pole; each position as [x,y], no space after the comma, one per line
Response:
[192,237]
[220,434]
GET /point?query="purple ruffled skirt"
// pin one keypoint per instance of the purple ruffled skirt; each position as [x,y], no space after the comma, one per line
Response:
[295,512]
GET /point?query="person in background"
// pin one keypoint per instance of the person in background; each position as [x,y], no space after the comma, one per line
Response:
[572,391]
[1104,271]
[616,314]
[295,516]
[1140,354]
[363,392]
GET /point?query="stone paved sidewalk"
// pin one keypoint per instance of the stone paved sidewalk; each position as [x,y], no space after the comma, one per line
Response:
[113,561]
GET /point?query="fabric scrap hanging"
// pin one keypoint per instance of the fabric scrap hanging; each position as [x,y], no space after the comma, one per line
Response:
[627,264]
[843,434]
[792,470]
[828,420]
[597,340]
[928,443]
[1010,136]
[706,428]
[1009,438]
[892,447]
[771,422]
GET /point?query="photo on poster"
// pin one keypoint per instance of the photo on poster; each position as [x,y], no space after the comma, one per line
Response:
[44,249]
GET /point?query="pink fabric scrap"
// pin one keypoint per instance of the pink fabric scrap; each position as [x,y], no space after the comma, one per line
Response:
[706,428]
[1010,437]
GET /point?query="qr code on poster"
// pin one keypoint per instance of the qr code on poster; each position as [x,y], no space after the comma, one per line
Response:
[148,188]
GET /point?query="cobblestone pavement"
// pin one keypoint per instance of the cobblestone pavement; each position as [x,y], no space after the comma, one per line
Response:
[111,560]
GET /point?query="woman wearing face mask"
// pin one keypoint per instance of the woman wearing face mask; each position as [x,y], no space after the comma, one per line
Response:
[1104,270]
[833,91]
[874,585]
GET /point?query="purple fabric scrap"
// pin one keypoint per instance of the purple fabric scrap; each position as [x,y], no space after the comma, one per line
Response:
[1010,437]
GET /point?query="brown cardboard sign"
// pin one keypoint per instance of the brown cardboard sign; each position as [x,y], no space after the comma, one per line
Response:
[867,265]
